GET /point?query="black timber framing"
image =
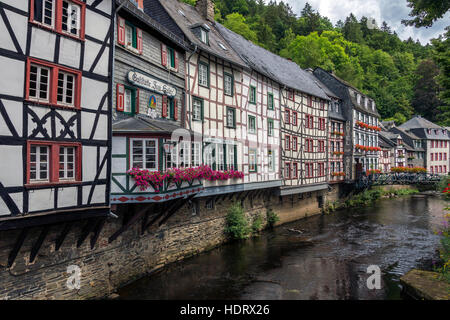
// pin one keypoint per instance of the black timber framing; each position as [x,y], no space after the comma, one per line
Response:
[27,221]
[18,244]
[59,241]
[88,226]
[37,245]
[175,208]
[98,228]
[129,223]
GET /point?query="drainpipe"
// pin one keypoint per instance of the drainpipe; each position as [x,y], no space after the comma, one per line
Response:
[189,83]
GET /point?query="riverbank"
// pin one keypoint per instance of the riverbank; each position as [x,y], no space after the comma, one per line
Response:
[370,196]
[325,258]
[136,252]
[425,285]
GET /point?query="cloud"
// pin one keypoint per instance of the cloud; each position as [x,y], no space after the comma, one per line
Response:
[391,11]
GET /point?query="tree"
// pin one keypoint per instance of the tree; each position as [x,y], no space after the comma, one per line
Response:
[237,23]
[441,55]
[352,30]
[425,100]
[426,12]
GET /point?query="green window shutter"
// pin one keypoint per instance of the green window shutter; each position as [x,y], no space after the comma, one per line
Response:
[214,157]
[234,118]
[224,156]
[235,157]
[232,85]
[171,108]
[201,111]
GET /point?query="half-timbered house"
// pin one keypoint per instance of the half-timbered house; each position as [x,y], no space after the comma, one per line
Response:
[148,116]
[435,141]
[260,109]
[214,76]
[336,133]
[55,104]
[362,125]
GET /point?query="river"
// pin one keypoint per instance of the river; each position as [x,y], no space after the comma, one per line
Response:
[326,258]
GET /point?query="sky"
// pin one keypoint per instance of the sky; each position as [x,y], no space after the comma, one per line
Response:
[391,11]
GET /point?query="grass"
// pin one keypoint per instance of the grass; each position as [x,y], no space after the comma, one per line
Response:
[367,198]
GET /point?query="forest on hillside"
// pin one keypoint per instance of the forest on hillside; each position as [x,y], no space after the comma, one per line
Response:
[404,77]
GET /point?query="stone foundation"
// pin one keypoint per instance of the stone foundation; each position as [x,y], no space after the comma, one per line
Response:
[132,255]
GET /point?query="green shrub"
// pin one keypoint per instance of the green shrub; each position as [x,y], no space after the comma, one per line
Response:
[257,224]
[237,226]
[443,185]
[272,218]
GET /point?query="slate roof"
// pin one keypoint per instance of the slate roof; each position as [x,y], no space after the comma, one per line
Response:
[408,138]
[172,35]
[419,122]
[271,65]
[421,126]
[353,100]
[331,111]
[190,18]
[140,123]
[384,141]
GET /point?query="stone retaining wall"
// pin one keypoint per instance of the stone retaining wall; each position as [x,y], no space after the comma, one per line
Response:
[132,255]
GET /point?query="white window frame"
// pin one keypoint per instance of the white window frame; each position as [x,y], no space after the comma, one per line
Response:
[197,109]
[129,35]
[252,163]
[38,83]
[70,20]
[203,75]
[228,84]
[53,11]
[230,157]
[196,154]
[144,153]
[38,163]
[250,129]
[203,36]
[128,101]
[65,162]
[65,88]
[271,160]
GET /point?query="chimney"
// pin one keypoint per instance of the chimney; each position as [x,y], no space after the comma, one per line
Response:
[206,9]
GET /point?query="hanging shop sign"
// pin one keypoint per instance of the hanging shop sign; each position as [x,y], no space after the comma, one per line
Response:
[146,82]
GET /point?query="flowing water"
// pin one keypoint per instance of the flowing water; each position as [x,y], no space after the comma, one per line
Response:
[321,257]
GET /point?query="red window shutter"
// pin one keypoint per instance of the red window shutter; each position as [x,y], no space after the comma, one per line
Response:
[121,30]
[176,60]
[120,97]
[164,106]
[163,54]
[175,109]
[139,40]
[136,107]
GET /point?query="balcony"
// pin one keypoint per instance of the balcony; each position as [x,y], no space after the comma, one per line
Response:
[143,186]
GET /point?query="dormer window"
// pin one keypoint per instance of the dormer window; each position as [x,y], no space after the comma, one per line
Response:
[204,37]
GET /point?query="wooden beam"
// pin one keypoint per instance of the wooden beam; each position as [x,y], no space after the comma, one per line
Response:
[97,230]
[59,241]
[144,223]
[175,208]
[89,225]
[34,220]
[17,246]
[130,222]
[38,243]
